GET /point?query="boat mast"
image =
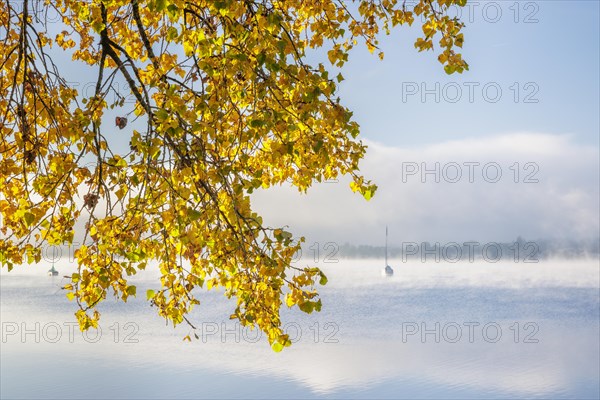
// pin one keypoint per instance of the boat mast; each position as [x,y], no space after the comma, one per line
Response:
[386,235]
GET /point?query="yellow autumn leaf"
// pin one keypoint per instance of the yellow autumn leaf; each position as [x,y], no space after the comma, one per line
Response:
[224,101]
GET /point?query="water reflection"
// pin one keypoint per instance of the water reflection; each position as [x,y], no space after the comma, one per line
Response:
[363,344]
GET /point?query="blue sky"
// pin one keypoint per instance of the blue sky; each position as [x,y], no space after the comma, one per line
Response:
[557,55]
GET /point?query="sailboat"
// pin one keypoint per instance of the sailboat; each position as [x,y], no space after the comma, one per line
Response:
[52,271]
[387,271]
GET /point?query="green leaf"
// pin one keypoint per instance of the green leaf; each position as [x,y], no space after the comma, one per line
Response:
[281,235]
[161,114]
[450,69]
[98,26]
[160,5]
[135,256]
[194,214]
[29,218]
[307,306]
[323,280]
[173,11]
[318,305]
[150,294]
[318,146]
[131,290]
[260,58]
[172,33]
[281,45]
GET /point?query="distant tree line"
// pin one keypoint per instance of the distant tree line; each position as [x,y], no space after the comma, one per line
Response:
[519,250]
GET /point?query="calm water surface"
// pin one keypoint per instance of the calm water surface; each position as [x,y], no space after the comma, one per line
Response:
[431,331]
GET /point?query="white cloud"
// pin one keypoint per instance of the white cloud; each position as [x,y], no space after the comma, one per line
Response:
[562,204]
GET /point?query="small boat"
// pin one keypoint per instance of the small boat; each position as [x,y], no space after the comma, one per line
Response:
[52,271]
[387,271]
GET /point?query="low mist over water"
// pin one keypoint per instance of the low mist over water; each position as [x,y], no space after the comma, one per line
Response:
[433,330]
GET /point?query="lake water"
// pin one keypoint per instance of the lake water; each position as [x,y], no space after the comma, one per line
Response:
[431,331]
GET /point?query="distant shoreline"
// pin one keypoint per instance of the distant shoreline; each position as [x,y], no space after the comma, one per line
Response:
[520,249]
